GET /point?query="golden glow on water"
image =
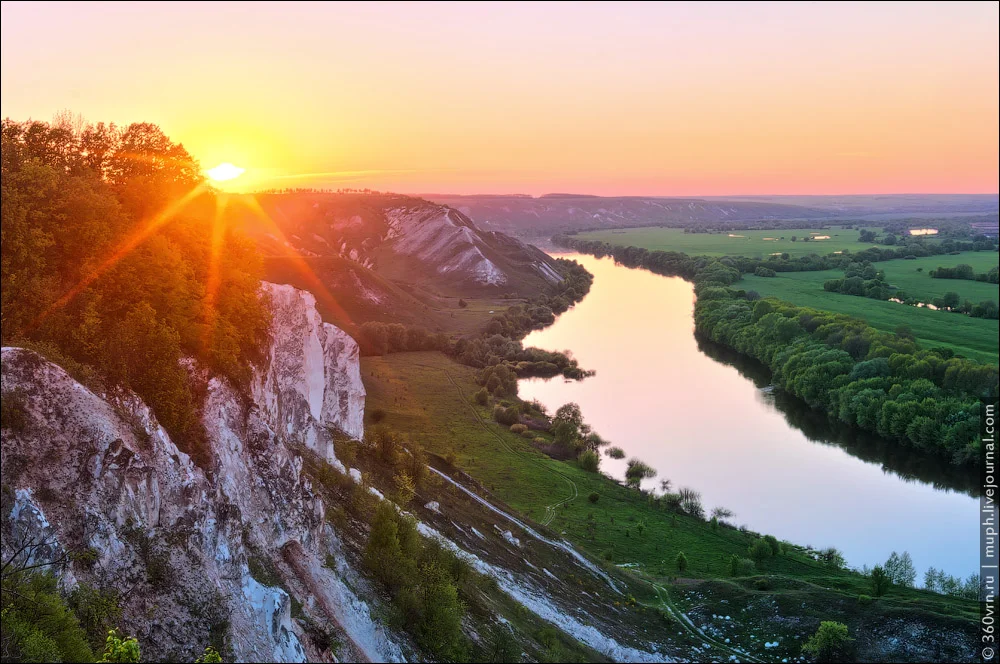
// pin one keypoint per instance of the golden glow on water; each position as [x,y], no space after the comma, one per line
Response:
[702,424]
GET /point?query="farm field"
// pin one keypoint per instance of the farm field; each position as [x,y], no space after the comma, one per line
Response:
[755,244]
[975,338]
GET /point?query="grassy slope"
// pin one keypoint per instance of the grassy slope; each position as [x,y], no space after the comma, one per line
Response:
[752,243]
[428,397]
[973,337]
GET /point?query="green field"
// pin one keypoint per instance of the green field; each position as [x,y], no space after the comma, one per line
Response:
[754,244]
[975,338]
[429,397]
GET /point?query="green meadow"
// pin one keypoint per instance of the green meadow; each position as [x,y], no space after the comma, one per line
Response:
[975,338]
[754,244]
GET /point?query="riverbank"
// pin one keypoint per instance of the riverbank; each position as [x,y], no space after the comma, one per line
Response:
[430,397]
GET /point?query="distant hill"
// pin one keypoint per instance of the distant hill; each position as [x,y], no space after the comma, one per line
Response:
[541,217]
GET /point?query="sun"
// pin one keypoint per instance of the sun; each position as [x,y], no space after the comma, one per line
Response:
[224,172]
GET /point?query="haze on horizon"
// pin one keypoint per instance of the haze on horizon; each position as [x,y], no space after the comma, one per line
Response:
[613,99]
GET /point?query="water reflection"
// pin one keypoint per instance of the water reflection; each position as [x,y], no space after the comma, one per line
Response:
[819,428]
[701,418]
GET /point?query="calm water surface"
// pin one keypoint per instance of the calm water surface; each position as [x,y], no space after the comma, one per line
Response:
[705,420]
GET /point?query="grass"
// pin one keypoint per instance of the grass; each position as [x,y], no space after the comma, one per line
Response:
[975,338]
[753,244]
[429,398]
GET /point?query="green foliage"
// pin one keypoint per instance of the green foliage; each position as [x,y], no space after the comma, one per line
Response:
[108,246]
[594,497]
[900,570]
[482,396]
[879,581]
[590,461]
[739,566]
[830,643]
[97,610]
[518,428]
[422,578]
[615,452]
[210,656]
[864,600]
[681,561]
[506,415]
[637,471]
[117,649]
[760,551]
[38,625]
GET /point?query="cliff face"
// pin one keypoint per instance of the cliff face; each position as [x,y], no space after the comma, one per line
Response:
[88,473]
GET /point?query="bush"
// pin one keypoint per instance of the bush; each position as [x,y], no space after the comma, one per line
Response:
[590,461]
[764,272]
[505,416]
[482,396]
[615,452]
[518,428]
[117,649]
[773,543]
[37,624]
[681,561]
[830,643]
[594,497]
[864,600]
[762,584]
[741,566]
[879,581]
[760,551]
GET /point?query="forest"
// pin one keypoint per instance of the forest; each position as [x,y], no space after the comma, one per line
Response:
[114,266]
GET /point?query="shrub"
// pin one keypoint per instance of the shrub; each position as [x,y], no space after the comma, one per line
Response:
[762,584]
[830,643]
[773,543]
[764,272]
[504,415]
[864,600]
[594,497]
[615,452]
[210,656]
[528,434]
[741,566]
[637,471]
[117,649]
[482,396]
[37,624]
[518,428]
[681,561]
[590,461]
[760,551]
[879,581]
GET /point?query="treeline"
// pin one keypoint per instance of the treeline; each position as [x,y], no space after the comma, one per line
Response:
[862,279]
[876,381]
[674,263]
[500,343]
[964,271]
[112,266]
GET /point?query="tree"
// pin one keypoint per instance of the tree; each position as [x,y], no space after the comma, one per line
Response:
[900,570]
[830,643]
[637,471]
[879,581]
[590,461]
[951,300]
[681,561]
[760,551]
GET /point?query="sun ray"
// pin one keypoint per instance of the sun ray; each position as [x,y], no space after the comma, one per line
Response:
[125,248]
[314,285]
[213,278]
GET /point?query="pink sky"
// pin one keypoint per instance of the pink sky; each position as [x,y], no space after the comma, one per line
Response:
[665,99]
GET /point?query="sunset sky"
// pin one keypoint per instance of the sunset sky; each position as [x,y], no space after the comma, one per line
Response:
[669,99]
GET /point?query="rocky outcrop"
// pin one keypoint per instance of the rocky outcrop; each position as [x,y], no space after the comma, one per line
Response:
[94,473]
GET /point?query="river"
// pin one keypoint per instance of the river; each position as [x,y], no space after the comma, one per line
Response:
[706,419]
